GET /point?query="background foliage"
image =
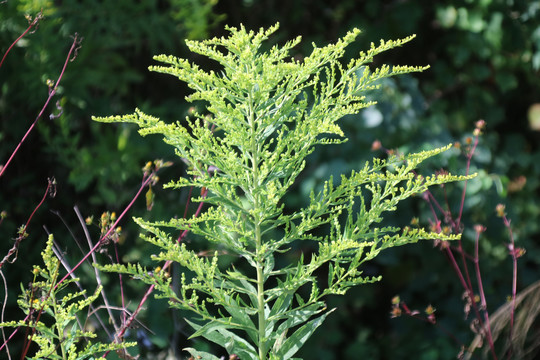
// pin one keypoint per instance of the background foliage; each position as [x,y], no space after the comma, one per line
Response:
[485,61]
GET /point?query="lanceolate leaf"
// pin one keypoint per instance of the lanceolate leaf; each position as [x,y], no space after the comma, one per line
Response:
[201,354]
[299,337]
[233,343]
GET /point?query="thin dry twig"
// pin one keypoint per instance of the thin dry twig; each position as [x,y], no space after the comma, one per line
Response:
[3,312]
[96,271]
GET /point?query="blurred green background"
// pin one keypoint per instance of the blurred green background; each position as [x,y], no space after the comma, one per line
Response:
[485,62]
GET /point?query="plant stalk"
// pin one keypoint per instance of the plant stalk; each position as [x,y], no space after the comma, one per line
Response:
[260,296]
[261,320]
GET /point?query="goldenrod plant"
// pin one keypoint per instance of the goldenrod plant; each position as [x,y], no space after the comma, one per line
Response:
[265,113]
[55,317]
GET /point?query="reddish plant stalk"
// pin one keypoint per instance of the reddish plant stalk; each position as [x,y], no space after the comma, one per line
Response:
[120,281]
[487,326]
[52,92]
[450,255]
[22,231]
[464,276]
[146,181]
[30,26]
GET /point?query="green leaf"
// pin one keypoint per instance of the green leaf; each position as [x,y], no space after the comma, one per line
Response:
[268,266]
[300,336]
[233,343]
[240,317]
[299,316]
[200,354]
[281,304]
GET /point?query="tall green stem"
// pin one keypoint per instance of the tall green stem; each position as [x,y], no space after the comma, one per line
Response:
[258,236]
[260,296]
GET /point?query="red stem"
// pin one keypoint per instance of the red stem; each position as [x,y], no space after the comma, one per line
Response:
[465,280]
[143,185]
[121,284]
[467,171]
[30,26]
[452,259]
[52,92]
[22,231]
[188,202]
[470,154]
